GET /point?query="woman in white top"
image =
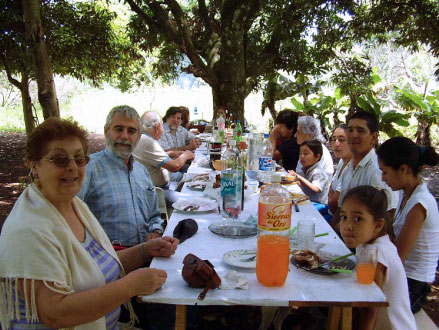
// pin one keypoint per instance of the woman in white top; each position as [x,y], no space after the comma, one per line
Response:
[341,151]
[416,221]
[309,128]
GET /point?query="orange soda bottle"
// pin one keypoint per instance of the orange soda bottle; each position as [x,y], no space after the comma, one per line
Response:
[274,221]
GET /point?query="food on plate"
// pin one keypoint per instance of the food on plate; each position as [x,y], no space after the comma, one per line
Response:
[306,258]
[191,208]
[201,177]
[298,197]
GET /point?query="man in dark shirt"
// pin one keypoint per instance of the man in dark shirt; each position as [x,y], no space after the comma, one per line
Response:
[286,149]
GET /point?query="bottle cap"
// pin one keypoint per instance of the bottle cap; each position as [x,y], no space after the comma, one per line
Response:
[275,178]
[232,143]
[266,135]
[238,121]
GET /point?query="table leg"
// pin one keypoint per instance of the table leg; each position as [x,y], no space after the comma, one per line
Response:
[346,318]
[333,318]
[180,317]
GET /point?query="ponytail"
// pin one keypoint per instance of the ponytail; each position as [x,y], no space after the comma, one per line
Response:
[400,150]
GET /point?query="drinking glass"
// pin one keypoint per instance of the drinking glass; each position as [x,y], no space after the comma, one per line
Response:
[305,234]
[366,256]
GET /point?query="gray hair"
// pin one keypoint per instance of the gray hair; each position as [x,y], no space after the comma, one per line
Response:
[126,111]
[312,127]
[150,119]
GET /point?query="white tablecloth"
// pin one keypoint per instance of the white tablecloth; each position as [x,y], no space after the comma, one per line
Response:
[300,286]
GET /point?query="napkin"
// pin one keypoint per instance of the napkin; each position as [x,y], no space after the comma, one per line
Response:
[185,229]
[204,161]
[232,280]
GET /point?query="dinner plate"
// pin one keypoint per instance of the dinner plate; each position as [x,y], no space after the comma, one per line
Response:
[232,229]
[234,257]
[197,185]
[326,256]
[195,205]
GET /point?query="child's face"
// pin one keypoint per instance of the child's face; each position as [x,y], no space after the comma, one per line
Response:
[307,157]
[357,225]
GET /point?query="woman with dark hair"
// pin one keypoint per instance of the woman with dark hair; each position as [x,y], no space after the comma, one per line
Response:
[340,148]
[416,221]
[58,267]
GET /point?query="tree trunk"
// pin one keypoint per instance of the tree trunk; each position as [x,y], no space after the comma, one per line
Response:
[40,59]
[423,133]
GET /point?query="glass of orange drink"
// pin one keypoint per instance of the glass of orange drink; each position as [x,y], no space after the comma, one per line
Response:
[366,256]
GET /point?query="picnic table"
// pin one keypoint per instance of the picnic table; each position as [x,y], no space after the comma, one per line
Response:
[339,292]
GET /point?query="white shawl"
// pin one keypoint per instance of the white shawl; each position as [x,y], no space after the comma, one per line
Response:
[37,244]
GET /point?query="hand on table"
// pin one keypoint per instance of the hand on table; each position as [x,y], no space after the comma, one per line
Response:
[161,247]
[145,280]
[194,144]
[189,154]
[174,153]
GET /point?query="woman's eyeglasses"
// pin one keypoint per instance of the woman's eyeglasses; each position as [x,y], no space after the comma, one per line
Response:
[61,161]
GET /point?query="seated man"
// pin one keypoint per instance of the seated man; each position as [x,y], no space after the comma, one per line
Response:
[283,141]
[117,189]
[149,153]
[362,134]
[175,137]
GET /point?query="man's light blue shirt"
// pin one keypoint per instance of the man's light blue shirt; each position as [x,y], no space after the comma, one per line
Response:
[124,201]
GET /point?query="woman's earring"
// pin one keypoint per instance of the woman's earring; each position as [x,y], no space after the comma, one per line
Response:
[33,177]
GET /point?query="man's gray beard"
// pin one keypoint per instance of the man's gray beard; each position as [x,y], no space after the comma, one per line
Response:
[119,153]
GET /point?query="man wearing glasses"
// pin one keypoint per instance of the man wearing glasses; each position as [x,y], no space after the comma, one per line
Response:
[118,189]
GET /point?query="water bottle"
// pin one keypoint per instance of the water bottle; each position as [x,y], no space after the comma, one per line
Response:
[274,221]
[265,160]
[232,182]
[252,165]
[221,123]
[215,147]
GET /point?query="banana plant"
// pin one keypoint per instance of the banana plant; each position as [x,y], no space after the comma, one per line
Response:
[387,119]
[425,108]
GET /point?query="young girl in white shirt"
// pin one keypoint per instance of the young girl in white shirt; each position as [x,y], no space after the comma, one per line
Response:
[363,222]
[416,221]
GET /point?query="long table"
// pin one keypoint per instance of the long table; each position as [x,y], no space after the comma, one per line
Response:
[340,292]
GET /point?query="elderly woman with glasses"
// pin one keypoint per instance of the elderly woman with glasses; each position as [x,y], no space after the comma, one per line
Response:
[58,267]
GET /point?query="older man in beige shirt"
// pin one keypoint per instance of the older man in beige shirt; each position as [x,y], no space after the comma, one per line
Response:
[159,162]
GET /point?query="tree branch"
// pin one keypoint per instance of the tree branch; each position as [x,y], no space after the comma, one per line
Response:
[11,79]
[210,24]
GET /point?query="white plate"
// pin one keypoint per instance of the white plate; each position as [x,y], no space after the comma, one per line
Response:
[197,185]
[204,205]
[234,257]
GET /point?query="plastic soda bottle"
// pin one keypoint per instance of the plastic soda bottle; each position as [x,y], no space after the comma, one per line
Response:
[237,132]
[232,182]
[274,221]
[221,123]
[265,160]
[215,146]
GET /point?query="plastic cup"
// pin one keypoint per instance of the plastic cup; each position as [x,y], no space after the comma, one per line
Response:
[305,234]
[366,256]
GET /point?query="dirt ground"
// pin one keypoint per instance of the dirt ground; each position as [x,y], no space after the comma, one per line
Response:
[13,179]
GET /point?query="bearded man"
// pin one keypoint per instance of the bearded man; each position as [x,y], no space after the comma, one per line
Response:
[117,189]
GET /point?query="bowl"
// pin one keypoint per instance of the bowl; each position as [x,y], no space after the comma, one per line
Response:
[217,164]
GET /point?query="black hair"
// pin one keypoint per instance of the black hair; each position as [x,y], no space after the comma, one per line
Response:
[315,146]
[342,126]
[172,111]
[375,201]
[371,120]
[288,118]
[400,150]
